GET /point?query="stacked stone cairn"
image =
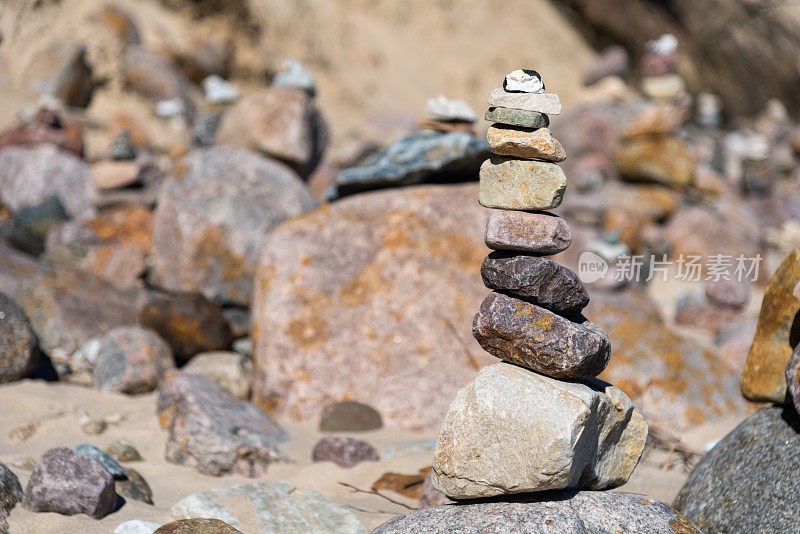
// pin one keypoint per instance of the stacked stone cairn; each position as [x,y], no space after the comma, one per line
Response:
[539,420]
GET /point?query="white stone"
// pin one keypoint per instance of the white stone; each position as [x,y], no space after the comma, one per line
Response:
[666,44]
[449,109]
[137,526]
[511,430]
[169,108]
[219,91]
[524,81]
[85,357]
[295,76]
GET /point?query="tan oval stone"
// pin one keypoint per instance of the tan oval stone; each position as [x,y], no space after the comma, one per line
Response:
[516,184]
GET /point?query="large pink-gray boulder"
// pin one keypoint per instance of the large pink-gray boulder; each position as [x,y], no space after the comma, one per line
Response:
[372,298]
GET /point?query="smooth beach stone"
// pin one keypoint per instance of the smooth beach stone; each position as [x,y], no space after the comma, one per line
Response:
[538,339]
[547,103]
[537,280]
[524,143]
[534,232]
[518,184]
[511,430]
[748,481]
[517,117]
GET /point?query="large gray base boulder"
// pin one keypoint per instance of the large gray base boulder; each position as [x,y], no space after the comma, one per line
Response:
[565,512]
[749,481]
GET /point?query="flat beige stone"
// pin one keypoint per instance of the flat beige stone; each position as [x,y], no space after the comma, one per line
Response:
[511,430]
[519,184]
[547,103]
[524,143]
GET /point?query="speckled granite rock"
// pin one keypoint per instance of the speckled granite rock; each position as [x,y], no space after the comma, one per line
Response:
[212,431]
[563,512]
[746,482]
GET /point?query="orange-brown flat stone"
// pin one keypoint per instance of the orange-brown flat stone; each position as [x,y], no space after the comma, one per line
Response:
[520,142]
[763,378]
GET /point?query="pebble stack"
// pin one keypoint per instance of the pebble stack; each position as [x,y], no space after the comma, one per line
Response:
[539,420]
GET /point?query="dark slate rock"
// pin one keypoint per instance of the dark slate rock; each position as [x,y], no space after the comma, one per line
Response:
[18,348]
[110,464]
[10,490]
[214,432]
[344,452]
[67,482]
[748,482]
[420,157]
[537,280]
[189,322]
[562,512]
[349,416]
[517,117]
[133,486]
[537,339]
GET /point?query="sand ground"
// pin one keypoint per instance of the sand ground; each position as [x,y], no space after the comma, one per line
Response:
[55,407]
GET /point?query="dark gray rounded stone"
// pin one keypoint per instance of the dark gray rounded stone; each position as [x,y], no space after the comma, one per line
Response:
[562,512]
[18,351]
[344,452]
[537,280]
[349,416]
[749,481]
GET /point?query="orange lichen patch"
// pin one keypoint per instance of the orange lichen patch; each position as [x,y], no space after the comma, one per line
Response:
[629,386]
[124,224]
[213,255]
[138,134]
[694,415]
[365,286]
[268,404]
[307,332]
[681,525]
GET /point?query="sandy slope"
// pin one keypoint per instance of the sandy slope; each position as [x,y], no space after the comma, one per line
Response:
[376,62]
[27,401]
